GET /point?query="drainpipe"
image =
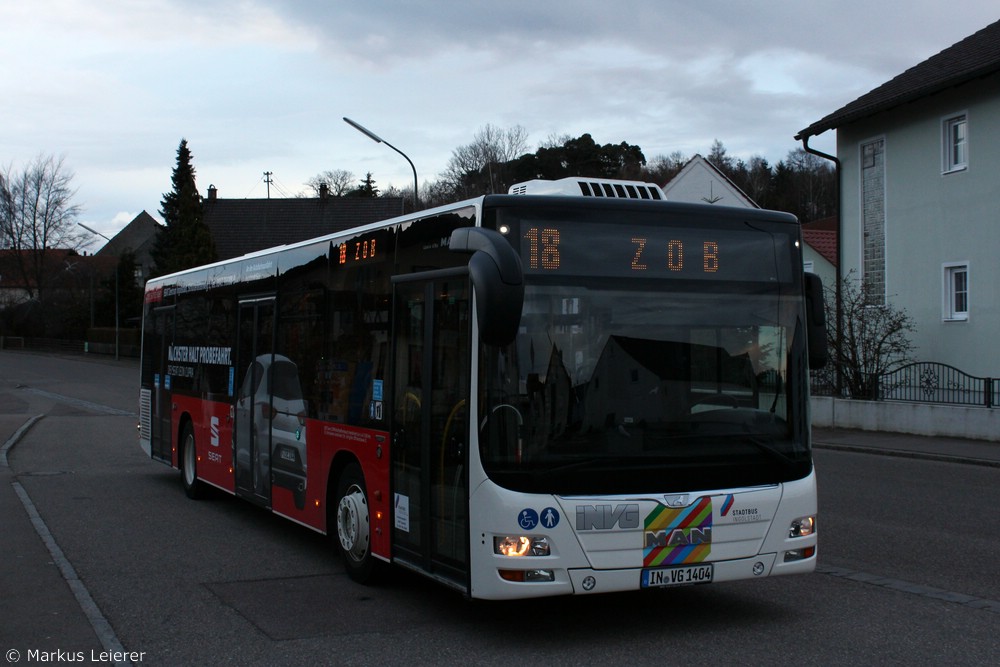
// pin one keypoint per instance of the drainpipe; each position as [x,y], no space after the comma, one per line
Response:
[840,244]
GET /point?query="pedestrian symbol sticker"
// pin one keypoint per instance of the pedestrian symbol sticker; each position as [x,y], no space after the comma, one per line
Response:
[527,519]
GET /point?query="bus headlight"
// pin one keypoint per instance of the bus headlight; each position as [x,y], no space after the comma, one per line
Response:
[520,545]
[802,527]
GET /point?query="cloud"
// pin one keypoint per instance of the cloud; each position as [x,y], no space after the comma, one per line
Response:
[258,86]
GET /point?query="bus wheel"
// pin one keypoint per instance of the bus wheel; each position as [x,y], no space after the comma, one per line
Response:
[353,526]
[193,487]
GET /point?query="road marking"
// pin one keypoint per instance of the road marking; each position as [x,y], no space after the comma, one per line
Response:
[910,587]
[80,403]
[105,633]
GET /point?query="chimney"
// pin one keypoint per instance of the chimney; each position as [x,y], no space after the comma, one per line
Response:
[212,193]
[324,190]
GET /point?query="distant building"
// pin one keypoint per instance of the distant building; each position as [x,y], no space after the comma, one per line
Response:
[64,271]
[137,236]
[820,252]
[919,158]
[700,182]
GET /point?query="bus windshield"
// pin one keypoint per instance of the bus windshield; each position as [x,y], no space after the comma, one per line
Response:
[649,380]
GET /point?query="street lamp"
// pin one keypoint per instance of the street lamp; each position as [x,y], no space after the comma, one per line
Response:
[94,231]
[379,140]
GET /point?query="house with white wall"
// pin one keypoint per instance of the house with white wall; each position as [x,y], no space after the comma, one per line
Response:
[700,182]
[919,169]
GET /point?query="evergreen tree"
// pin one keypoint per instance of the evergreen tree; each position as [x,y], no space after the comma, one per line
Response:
[185,240]
[581,157]
[367,188]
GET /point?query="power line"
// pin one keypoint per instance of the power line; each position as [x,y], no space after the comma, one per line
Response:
[282,190]
[247,195]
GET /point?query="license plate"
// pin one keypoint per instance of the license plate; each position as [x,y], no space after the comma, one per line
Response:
[288,455]
[677,576]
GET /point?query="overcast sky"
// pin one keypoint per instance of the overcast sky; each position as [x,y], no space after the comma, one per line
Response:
[255,86]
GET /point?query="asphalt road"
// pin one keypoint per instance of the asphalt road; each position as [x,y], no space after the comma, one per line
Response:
[907,569]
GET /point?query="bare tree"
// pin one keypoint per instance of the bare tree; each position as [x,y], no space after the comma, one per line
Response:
[338,182]
[555,140]
[662,168]
[721,159]
[805,185]
[757,180]
[481,167]
[871,340]
[37,214]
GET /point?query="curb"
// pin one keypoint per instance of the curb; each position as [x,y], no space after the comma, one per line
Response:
[12,440]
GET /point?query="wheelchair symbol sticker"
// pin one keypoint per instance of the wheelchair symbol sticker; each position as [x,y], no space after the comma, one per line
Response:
[527,519]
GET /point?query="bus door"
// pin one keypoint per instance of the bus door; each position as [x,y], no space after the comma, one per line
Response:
[161,440]
[254,355]
[429,430]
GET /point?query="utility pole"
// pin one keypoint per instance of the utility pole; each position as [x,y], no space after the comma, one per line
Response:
[267,179]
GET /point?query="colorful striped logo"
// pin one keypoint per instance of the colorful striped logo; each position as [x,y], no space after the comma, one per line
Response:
[678,536]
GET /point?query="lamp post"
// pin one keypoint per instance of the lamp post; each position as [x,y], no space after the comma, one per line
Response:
[379,140]
[94,231]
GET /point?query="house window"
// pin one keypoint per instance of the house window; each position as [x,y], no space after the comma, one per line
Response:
[956,143]
[956,292]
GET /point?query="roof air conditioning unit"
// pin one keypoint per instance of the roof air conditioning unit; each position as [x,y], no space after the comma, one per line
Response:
[577,186]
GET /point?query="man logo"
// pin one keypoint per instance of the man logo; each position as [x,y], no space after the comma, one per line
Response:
[604,517]
[678,537]
[214,426]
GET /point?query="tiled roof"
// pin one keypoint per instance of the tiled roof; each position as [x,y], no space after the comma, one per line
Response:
[240,226]
[823,241]
[975,56]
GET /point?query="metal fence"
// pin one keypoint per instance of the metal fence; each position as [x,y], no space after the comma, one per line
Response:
[922,382]
[57,346]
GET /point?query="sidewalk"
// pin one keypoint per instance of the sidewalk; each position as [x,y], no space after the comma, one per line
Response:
[936,448]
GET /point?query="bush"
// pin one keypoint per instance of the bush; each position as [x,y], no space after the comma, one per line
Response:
[872,339]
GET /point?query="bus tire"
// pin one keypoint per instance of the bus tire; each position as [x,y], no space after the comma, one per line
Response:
[194,488]
[353,525]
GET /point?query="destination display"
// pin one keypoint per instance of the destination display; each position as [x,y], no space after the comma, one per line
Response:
[600,249]
[359,249]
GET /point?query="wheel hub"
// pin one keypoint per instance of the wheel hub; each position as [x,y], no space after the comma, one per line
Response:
[352,523]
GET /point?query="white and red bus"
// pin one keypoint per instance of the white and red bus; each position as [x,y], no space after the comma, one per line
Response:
[578,387]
